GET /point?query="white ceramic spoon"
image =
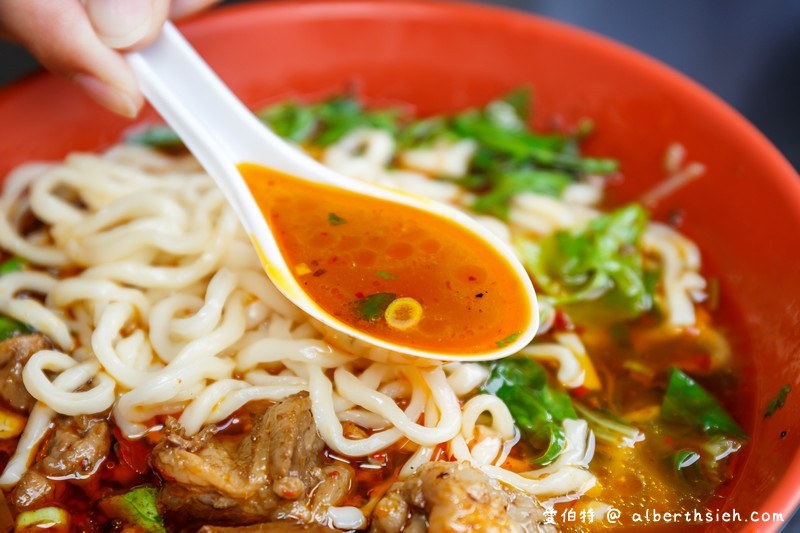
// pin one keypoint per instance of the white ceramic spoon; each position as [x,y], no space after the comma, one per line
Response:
[221,132]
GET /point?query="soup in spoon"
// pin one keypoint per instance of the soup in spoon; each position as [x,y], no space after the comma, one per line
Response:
[394,272]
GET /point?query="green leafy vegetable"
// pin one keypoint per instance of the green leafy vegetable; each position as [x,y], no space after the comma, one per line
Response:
[386,275]
[137,507]
[373,306]
[11,328]
[496,201]
[326,122]
[421,133]
[778,401]
[291,121]
[687,403]
[8,326]
[537,407]
[335,220]
[13,264]
[512,159]
[600,260]
[161,137]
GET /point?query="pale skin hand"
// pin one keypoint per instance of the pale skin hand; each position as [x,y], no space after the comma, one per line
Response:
[82,39]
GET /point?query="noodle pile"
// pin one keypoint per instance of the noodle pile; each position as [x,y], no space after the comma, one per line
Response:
[157,304]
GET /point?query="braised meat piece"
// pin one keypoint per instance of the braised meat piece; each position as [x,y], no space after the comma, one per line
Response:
[76,448]
[456,498]
[275,472]
[14,353]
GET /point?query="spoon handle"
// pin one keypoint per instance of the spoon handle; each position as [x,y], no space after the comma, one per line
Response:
[213,124]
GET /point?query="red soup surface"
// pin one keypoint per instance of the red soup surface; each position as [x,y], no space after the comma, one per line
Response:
[394,272]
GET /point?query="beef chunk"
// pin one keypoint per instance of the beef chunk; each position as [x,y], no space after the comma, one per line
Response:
[75,449]
[276,471]
[451,497]
[14,353]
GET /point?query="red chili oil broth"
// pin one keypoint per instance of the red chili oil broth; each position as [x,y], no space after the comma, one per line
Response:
[349,252]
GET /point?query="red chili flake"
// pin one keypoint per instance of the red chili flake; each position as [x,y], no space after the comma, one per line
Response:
[699,362]
[360,295]
[562,322]
[332,260]
[471,278]
[668,441]
[647,320]
[580,392]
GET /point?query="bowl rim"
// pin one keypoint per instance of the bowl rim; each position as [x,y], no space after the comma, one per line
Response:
[784,497]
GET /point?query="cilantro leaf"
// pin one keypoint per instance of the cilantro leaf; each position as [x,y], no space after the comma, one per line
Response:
[496,201]
[335,220]
[600,260]
[161,137]
[508,340]
[373,306]
[290,120]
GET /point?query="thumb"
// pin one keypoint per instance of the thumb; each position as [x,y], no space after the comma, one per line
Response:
[126,24]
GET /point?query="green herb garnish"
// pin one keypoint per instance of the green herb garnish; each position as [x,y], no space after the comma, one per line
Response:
[600,260]
[335,220]
[11,328]
[508,340]
[138,507]
[161,137]
[326,122]
[292,121]
[385,275]
[537,407]
[13,264]
[687,403]
[496,201]
[374,306]
[778,401]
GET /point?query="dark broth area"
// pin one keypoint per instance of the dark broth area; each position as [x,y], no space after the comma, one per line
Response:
[633,362]
[347,251]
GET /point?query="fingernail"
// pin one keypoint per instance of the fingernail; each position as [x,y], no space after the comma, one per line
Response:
[120,23]
[113,98]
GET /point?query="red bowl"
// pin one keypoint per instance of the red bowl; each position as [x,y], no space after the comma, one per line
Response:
[744,213]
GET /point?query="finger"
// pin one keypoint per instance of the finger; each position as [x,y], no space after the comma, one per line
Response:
[183,8]
[127,24]
[59,34]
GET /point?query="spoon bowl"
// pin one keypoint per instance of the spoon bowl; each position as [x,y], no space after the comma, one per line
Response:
[222,134]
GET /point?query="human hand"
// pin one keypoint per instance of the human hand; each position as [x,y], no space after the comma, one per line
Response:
[81,40]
